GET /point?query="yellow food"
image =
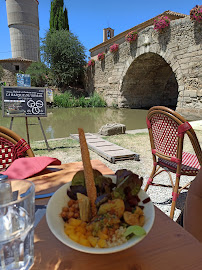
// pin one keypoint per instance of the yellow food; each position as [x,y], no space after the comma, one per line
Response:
[93,240]
[102,243]
[115,207]
[82,233]
[84,242]
[74,222]
[136,218]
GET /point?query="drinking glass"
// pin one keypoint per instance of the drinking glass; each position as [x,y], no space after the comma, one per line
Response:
[17,208]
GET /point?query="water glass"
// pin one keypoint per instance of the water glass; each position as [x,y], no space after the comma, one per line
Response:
[17,208]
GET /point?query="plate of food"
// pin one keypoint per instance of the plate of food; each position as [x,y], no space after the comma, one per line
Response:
[100,214]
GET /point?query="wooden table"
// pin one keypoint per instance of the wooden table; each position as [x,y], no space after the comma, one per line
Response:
[167,245]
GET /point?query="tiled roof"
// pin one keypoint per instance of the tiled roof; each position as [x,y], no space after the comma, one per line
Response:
[175,13]
[18,59]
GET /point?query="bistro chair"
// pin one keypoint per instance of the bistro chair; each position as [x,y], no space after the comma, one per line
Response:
[166,131]
[12,146]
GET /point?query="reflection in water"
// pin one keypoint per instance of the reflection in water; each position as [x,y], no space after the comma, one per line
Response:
[50,130]
[60,122]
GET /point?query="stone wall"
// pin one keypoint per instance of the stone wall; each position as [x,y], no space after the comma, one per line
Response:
[10,71]
[157,69]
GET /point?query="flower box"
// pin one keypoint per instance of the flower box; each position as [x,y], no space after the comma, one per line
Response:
[196,13]
[91,62]
[131,36]
[101,56]
[161,23]
[114,48]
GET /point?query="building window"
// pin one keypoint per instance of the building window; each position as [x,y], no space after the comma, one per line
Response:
[17,68]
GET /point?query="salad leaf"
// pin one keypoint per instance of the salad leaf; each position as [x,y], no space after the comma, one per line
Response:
[136,230]
[121,175]
[103,184]
[79,178]
[131,181]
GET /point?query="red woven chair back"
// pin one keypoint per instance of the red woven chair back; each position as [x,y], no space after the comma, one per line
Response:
[164,131]
[12,146]
[165,125]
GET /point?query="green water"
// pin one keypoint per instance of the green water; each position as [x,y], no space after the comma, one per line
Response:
[60,122]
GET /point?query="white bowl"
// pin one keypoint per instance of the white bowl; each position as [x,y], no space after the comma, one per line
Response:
[56,223]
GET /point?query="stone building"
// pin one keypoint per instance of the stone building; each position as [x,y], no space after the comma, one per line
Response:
[12,66]
[157,69]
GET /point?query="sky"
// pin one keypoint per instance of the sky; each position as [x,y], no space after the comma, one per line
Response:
[87,19]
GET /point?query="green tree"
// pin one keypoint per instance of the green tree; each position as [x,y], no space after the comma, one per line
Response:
[66,22]
[65,55]
[58,17]
[39,73]
[1,72]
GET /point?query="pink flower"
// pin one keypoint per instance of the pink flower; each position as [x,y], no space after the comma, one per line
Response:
[91,62]
[196,13]
[101,56]
[161,23]
[131,36]
[114,47]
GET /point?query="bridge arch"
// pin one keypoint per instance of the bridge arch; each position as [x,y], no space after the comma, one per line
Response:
[149,80]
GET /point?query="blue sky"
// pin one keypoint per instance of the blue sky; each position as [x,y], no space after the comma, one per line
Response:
[88,18]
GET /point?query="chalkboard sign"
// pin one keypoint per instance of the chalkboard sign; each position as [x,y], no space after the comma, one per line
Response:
[20,101]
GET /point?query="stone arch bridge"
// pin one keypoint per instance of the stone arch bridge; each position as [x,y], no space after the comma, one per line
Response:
[157,69]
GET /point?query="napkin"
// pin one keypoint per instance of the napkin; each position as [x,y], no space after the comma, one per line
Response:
[22,168]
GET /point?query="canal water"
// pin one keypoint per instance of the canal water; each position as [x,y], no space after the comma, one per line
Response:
[61,122]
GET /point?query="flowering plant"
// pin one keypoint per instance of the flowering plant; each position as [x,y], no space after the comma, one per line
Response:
[101,56]
[131,36]
[91,62]
[196,13]
[114,48]
[161,23]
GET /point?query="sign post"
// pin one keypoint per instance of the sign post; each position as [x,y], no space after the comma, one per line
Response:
[24,102]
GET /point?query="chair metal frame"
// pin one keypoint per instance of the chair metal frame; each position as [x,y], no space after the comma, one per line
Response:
[13,139]
[183,128]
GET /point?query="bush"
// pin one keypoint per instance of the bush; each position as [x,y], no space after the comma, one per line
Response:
[39,74]
[1,72]
[0,99]
[67,100]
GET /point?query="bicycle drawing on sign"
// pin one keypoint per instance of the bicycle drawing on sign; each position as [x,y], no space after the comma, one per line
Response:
[35,106]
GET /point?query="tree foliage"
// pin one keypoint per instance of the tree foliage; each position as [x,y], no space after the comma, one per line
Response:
[65,55]
[58,17]
[39,74]
[1,72]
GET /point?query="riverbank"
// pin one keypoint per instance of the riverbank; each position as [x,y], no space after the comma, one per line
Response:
[68,150]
